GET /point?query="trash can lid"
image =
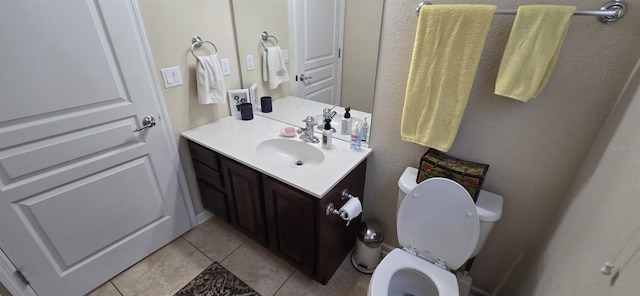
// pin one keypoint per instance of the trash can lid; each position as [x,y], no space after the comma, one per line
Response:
[370,233]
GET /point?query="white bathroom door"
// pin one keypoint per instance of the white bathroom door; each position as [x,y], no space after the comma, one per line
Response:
[82,195]
[317,30]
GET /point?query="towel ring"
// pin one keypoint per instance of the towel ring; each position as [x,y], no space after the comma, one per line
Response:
[265,37]
[196,42]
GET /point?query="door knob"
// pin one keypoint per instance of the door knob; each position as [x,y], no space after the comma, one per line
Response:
[147,122]
[303,78]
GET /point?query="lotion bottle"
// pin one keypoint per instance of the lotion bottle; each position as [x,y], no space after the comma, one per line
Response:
[345,127]
[327,134]
[364,130]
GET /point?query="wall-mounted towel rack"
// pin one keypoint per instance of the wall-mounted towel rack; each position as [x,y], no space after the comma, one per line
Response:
[196,42]
[265,37]
[609,12]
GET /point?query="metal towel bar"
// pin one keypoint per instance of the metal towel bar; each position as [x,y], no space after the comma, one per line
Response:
[609,12]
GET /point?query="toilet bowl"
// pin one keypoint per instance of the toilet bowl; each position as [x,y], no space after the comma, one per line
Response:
[439,228]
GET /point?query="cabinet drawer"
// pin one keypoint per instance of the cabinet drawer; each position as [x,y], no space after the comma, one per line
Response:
[204,155]
[209,175]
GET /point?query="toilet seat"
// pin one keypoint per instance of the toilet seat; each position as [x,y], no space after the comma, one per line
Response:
[438,221]
[428,277]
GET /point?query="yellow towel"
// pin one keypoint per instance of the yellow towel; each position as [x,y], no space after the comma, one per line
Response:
[532,50]
[446,52]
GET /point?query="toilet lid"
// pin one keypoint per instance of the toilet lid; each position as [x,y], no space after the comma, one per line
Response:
[439,219]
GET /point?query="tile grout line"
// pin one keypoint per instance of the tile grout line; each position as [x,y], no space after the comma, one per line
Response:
[114,285]
[283,283]
[234,250]
[200,251]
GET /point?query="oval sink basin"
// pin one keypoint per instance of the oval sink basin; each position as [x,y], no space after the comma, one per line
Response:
[289,153]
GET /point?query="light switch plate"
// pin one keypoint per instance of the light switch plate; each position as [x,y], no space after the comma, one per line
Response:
[226,68]
[171,77]
[285,56]
[249,62]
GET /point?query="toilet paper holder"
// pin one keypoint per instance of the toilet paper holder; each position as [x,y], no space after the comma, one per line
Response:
[331,209]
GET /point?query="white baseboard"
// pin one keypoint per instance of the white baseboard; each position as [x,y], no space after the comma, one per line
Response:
[203,216]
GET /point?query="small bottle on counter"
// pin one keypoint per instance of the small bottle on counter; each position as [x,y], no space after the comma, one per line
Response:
[364,131]
[356,138]
[327,134]
[345,128]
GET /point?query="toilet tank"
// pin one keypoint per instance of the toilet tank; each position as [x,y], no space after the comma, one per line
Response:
[488,205]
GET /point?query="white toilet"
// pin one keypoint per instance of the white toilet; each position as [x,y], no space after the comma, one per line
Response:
[439,228]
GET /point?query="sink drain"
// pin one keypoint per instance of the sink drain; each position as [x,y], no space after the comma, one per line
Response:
[299,162]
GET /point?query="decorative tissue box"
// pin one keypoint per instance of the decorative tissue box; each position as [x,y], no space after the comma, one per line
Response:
[468,174]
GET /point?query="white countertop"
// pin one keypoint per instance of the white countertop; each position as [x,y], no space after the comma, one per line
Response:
[238,139]
[293,110]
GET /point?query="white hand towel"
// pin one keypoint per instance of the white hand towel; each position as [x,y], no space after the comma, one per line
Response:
[277,70]
[265,68]
[210,81]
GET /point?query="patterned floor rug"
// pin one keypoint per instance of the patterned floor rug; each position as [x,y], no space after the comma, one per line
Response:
[216,281]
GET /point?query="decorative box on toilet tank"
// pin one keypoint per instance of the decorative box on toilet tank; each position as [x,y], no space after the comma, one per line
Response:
[469,174]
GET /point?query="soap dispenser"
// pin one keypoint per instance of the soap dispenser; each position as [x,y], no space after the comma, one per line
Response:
[327,134]
[345,128]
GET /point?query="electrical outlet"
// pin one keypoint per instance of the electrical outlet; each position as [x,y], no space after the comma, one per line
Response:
[226,68]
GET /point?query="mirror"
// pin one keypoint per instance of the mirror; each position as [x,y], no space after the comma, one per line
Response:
[358,54]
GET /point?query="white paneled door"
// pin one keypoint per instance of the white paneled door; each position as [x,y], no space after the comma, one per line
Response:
[317,32]
[82,195]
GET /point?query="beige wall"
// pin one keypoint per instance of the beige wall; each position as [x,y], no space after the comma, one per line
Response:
[251,18]
[360,53]
[601,214]
[169,26]
[534,148]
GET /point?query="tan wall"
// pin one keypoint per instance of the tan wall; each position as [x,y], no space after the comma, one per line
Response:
[601,214]
[251,18]
[169,26]
[534,148]
[360,53]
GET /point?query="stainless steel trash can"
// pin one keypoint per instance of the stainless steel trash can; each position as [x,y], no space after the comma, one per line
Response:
[368,246]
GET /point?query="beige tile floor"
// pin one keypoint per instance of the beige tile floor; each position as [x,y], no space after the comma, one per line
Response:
[174,265]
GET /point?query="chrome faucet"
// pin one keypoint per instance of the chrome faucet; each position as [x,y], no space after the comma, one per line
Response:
[327,113]
[306,133]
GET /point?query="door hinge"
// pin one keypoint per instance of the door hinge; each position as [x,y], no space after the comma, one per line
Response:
[339,52]
[22,277]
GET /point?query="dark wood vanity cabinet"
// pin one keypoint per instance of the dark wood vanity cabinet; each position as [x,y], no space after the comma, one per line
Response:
[291,223]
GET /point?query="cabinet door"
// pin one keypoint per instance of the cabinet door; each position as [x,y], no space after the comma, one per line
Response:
[214,200]
[290,224]
[246,203]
